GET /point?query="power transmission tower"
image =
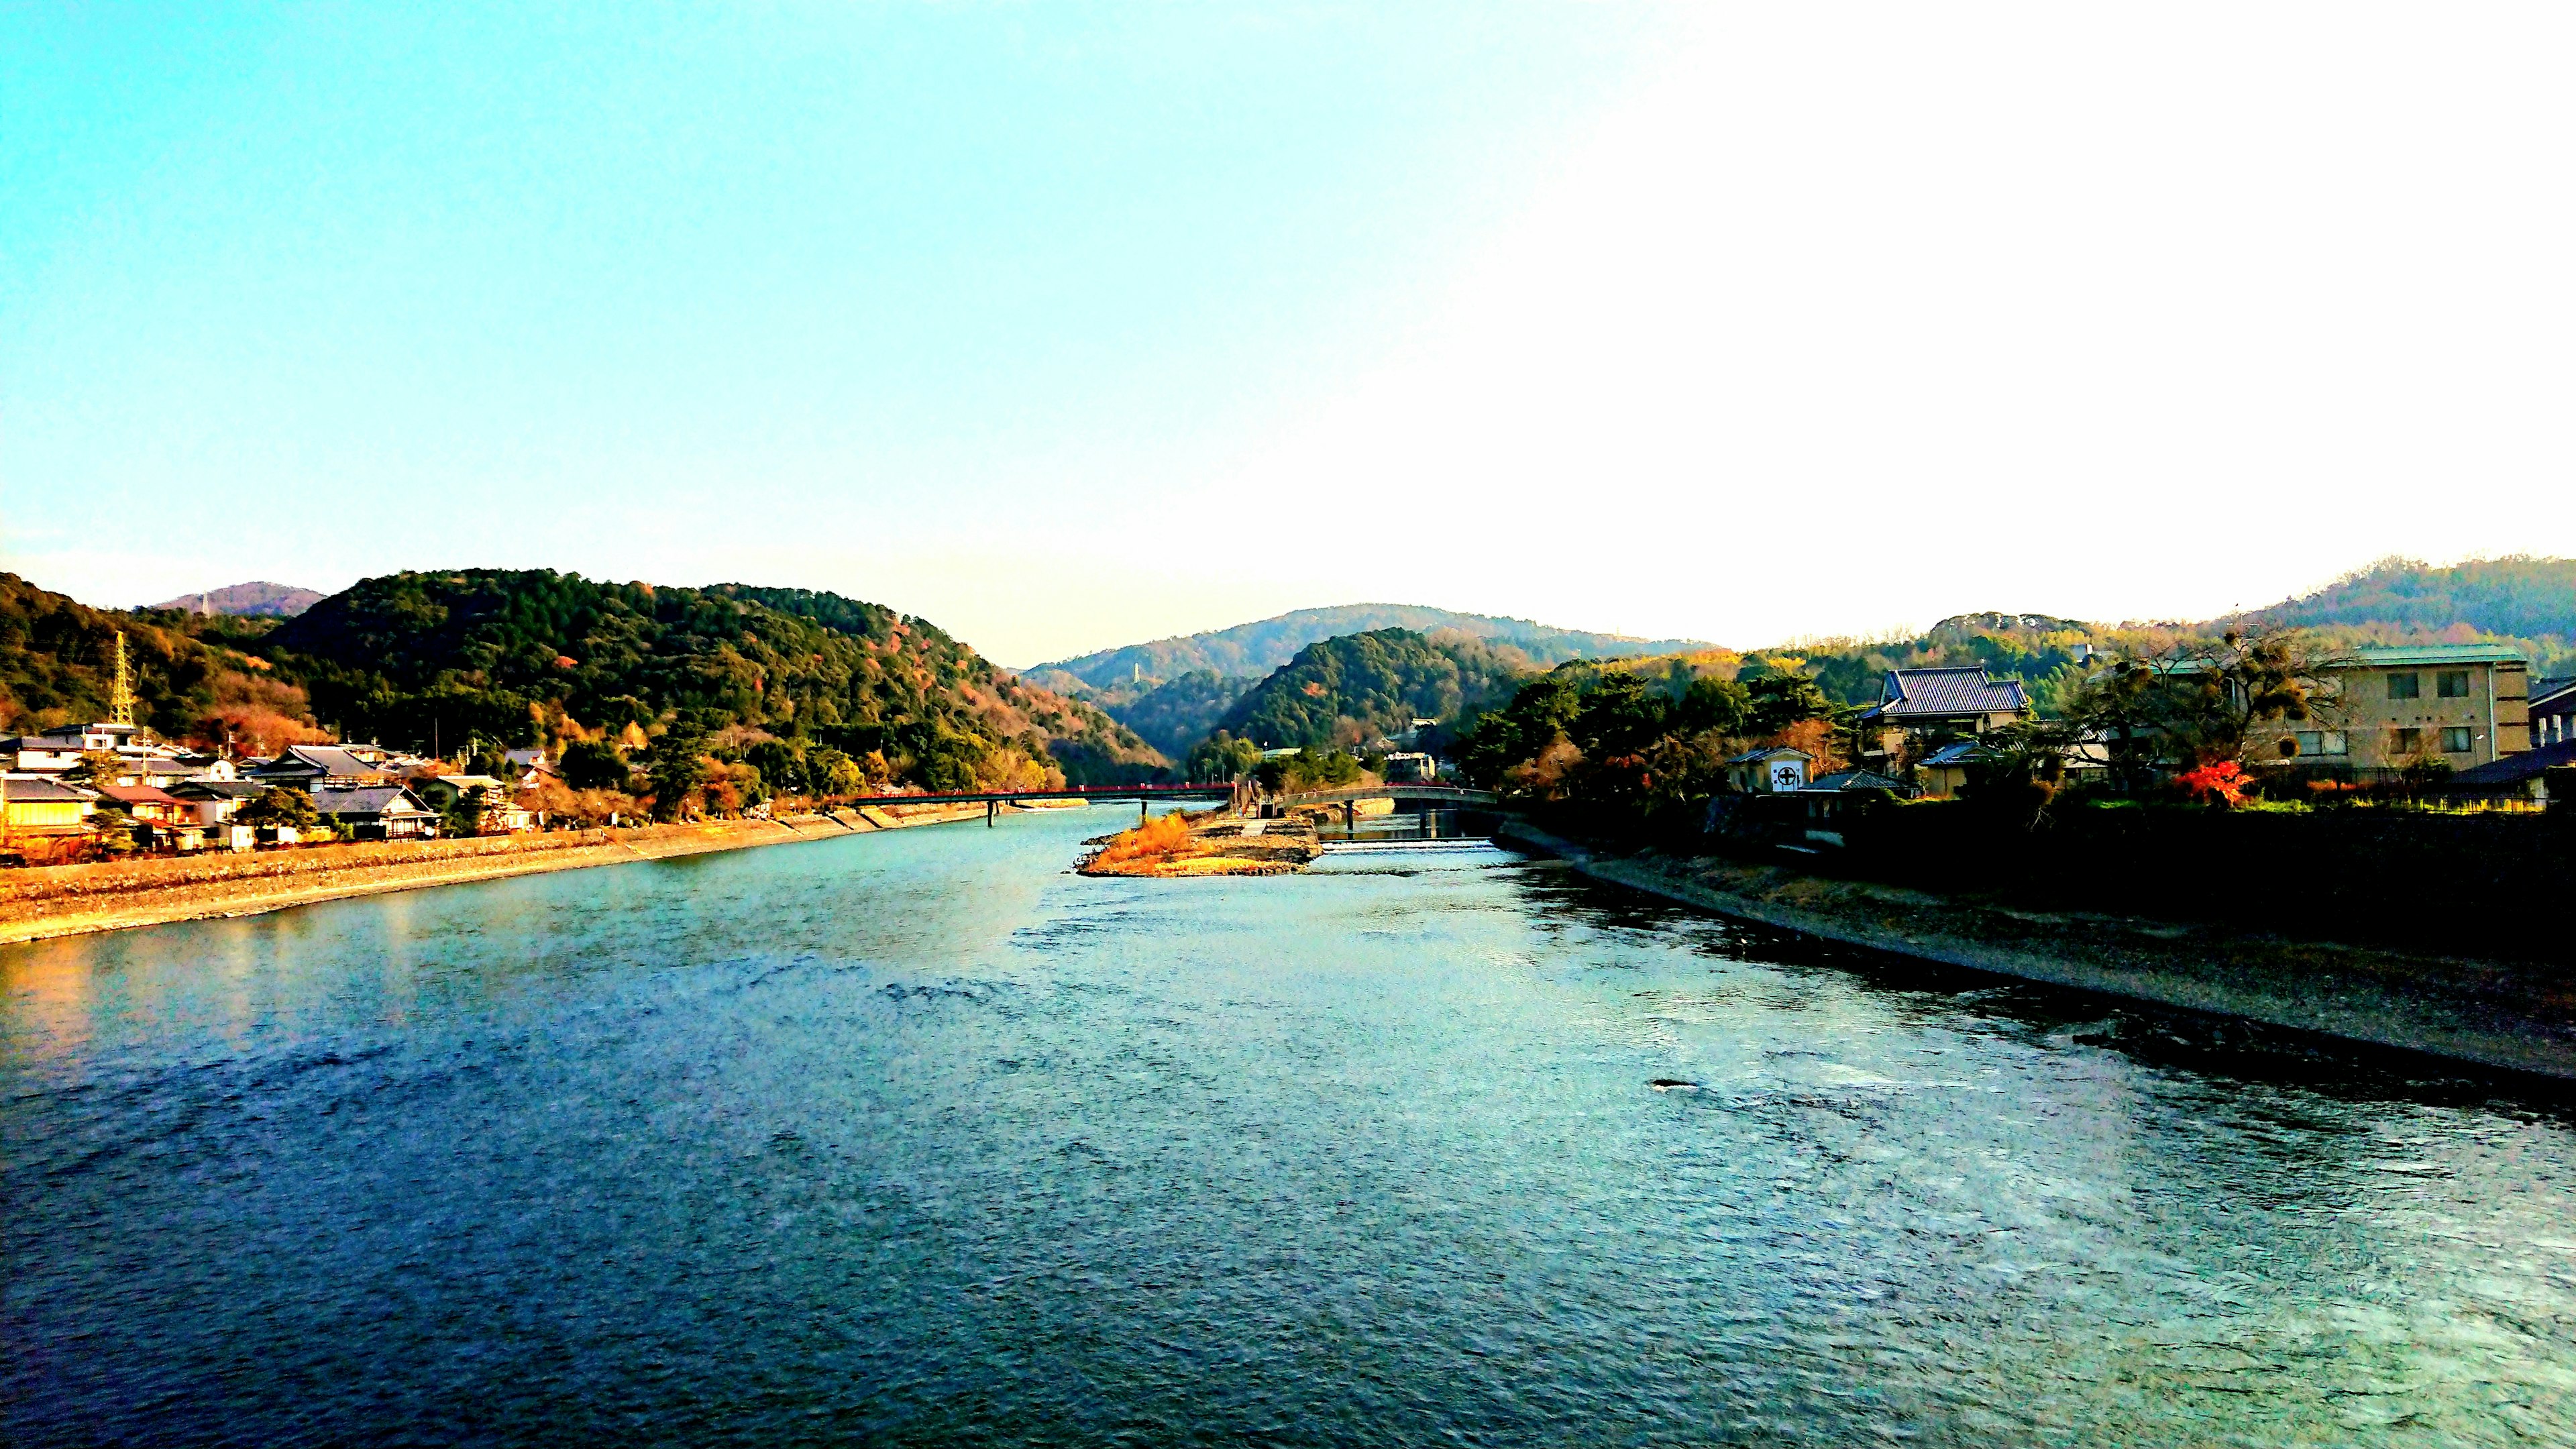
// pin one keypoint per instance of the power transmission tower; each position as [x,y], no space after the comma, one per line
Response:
[120,703]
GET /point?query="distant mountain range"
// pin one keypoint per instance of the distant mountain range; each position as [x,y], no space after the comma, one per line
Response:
[259,600]
[1256,648]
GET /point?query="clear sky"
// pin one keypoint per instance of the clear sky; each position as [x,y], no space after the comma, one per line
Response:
[1066,326]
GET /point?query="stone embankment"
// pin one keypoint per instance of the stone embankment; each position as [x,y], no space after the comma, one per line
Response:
[71,899]
[2518,1017]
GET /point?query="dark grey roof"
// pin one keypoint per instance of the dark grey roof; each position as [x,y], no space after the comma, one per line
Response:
[367,800]
[1854,780]
[22,788]
[2553,696]
[1773,753]
[1935,692]
[333,761]
[1958,752]
[2515,768]
[218,789]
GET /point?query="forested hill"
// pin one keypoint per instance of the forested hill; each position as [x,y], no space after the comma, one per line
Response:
[1257,648]
[1355,689]
[2521,597]
[516,655]
[1178,713]
[192,678]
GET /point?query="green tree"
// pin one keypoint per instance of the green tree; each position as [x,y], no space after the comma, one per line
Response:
[280,805]
[1310,769]
[781,764]
[594,765]
[2202,702]
[679,770]
[464,813]
[832,772]
[1222,757]
[115,830]
[1540,713]
[98,767]
[1781,700]
[1618,715]
[1711,703]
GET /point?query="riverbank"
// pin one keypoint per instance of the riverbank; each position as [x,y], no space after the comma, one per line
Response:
[2494,1014]
[75,899]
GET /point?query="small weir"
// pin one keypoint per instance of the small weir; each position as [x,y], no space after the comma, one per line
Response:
[1424,827]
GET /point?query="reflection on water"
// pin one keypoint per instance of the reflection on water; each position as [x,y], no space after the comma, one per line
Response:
[916,1138]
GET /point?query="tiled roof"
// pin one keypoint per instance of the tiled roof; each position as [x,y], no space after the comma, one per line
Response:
[1855,780]
[1958,752]
[367,800]
[334,762]
[1776,752]
[218,789]
[52,744]
[1937,692]
[2555,695]
[37,787]
[137,794]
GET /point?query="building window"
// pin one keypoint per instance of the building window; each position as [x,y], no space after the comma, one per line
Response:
[2455,739]
[2334,742]
[2451,684]
[2407,740]
[2405,686]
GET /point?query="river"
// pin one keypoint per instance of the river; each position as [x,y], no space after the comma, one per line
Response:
[915,1138]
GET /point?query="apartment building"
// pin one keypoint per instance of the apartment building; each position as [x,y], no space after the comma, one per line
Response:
[2464,704]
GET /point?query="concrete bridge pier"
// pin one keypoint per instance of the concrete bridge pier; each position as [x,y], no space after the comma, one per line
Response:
[992,812]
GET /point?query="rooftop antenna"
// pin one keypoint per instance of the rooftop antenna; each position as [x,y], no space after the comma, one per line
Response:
[120,702]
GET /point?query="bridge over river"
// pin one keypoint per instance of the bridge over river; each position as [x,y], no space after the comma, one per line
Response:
[994,800]
[1424,797]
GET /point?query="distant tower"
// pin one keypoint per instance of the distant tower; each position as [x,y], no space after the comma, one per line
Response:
[120,703]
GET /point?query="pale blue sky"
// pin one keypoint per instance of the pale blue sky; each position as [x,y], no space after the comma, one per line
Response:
[1068,326]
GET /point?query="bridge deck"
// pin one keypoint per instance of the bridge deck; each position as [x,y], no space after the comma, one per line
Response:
[1424,794]
[1092,792]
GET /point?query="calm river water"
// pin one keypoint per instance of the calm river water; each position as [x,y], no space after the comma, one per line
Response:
[916,1138]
